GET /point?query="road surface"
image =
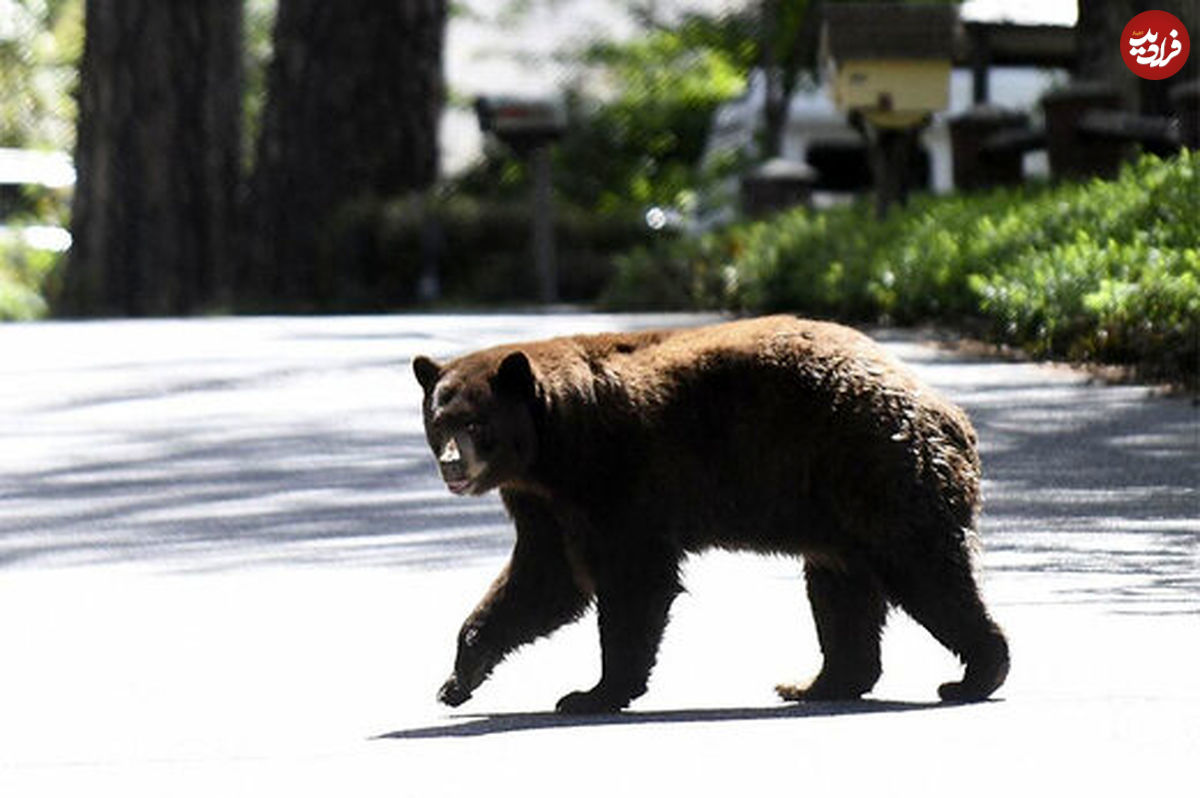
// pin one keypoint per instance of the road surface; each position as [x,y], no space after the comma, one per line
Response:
[227,567]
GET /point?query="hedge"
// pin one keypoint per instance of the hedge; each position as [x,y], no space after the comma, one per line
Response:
[1101,271]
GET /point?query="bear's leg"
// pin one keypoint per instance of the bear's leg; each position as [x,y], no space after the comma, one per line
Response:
[633,603]
[849,611]
[537,592]
[940,593]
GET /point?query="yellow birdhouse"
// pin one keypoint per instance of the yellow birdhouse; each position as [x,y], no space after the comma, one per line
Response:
[891,63]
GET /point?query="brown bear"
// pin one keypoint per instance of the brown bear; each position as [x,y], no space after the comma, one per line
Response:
[617,454]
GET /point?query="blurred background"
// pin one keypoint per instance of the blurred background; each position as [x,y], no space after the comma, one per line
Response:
[992,166]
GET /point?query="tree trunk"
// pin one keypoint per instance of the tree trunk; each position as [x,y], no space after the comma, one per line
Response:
[157,157]
[1154,95]
[354,101]
[789,31]
[1098,34]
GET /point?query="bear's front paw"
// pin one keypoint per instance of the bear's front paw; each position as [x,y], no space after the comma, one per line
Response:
[453,693]
[822,689]
[591,702]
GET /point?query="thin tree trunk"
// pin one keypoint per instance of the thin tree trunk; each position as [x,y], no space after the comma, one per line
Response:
[354,100]
[157,158]
[775,100]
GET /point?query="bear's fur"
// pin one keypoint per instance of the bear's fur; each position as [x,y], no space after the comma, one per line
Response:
[617,454]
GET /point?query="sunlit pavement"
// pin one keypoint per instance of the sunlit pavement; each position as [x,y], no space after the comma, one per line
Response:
[228,568]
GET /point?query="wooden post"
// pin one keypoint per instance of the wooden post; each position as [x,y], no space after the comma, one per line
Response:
[543,225]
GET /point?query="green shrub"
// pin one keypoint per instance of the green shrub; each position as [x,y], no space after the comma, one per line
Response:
[676,274]
[25,273]
[1112,275]
[1100,270]
[378,251]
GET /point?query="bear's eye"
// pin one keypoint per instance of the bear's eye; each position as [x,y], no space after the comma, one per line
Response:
[479,436]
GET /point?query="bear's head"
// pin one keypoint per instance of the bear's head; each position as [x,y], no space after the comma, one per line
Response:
[479,419]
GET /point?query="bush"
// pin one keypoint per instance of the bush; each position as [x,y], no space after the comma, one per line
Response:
[677,274]
[375,251]
[1102,270]
[25,273]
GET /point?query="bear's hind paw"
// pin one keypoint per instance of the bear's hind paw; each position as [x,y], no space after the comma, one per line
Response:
[966,692]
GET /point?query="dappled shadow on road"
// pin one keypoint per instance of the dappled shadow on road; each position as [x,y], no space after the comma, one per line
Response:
[226,444]
[1092,492]
[502,723]
[307,449]
[1098,488]
[209,500]
[221,462]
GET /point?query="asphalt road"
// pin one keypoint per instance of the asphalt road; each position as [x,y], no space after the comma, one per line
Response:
[227,567]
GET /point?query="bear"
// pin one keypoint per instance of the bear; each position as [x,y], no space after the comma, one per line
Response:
[616,455]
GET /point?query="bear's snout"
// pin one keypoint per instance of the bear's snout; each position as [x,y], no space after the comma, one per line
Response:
[451,454]
[455,477]
[458,464]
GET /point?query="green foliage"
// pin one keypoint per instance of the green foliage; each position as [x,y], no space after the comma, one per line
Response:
[37,73]
[25,273]
[374,253]
[259,24]
[643,145]
[37,77]
[638,144]
[638,140]
[1104,271]
[678,273]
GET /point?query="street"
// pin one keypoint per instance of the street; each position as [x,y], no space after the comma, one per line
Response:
[228,568]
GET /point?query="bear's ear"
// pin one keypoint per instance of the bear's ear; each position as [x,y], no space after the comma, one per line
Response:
[428,372]
[515,375]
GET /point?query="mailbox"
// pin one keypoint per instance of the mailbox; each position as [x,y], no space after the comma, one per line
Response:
[522,122]
[889,63]
[529,127]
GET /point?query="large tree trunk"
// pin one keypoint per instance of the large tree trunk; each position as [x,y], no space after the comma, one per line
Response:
[354,99]
[157,157]
[1098,35]
[1154,95]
